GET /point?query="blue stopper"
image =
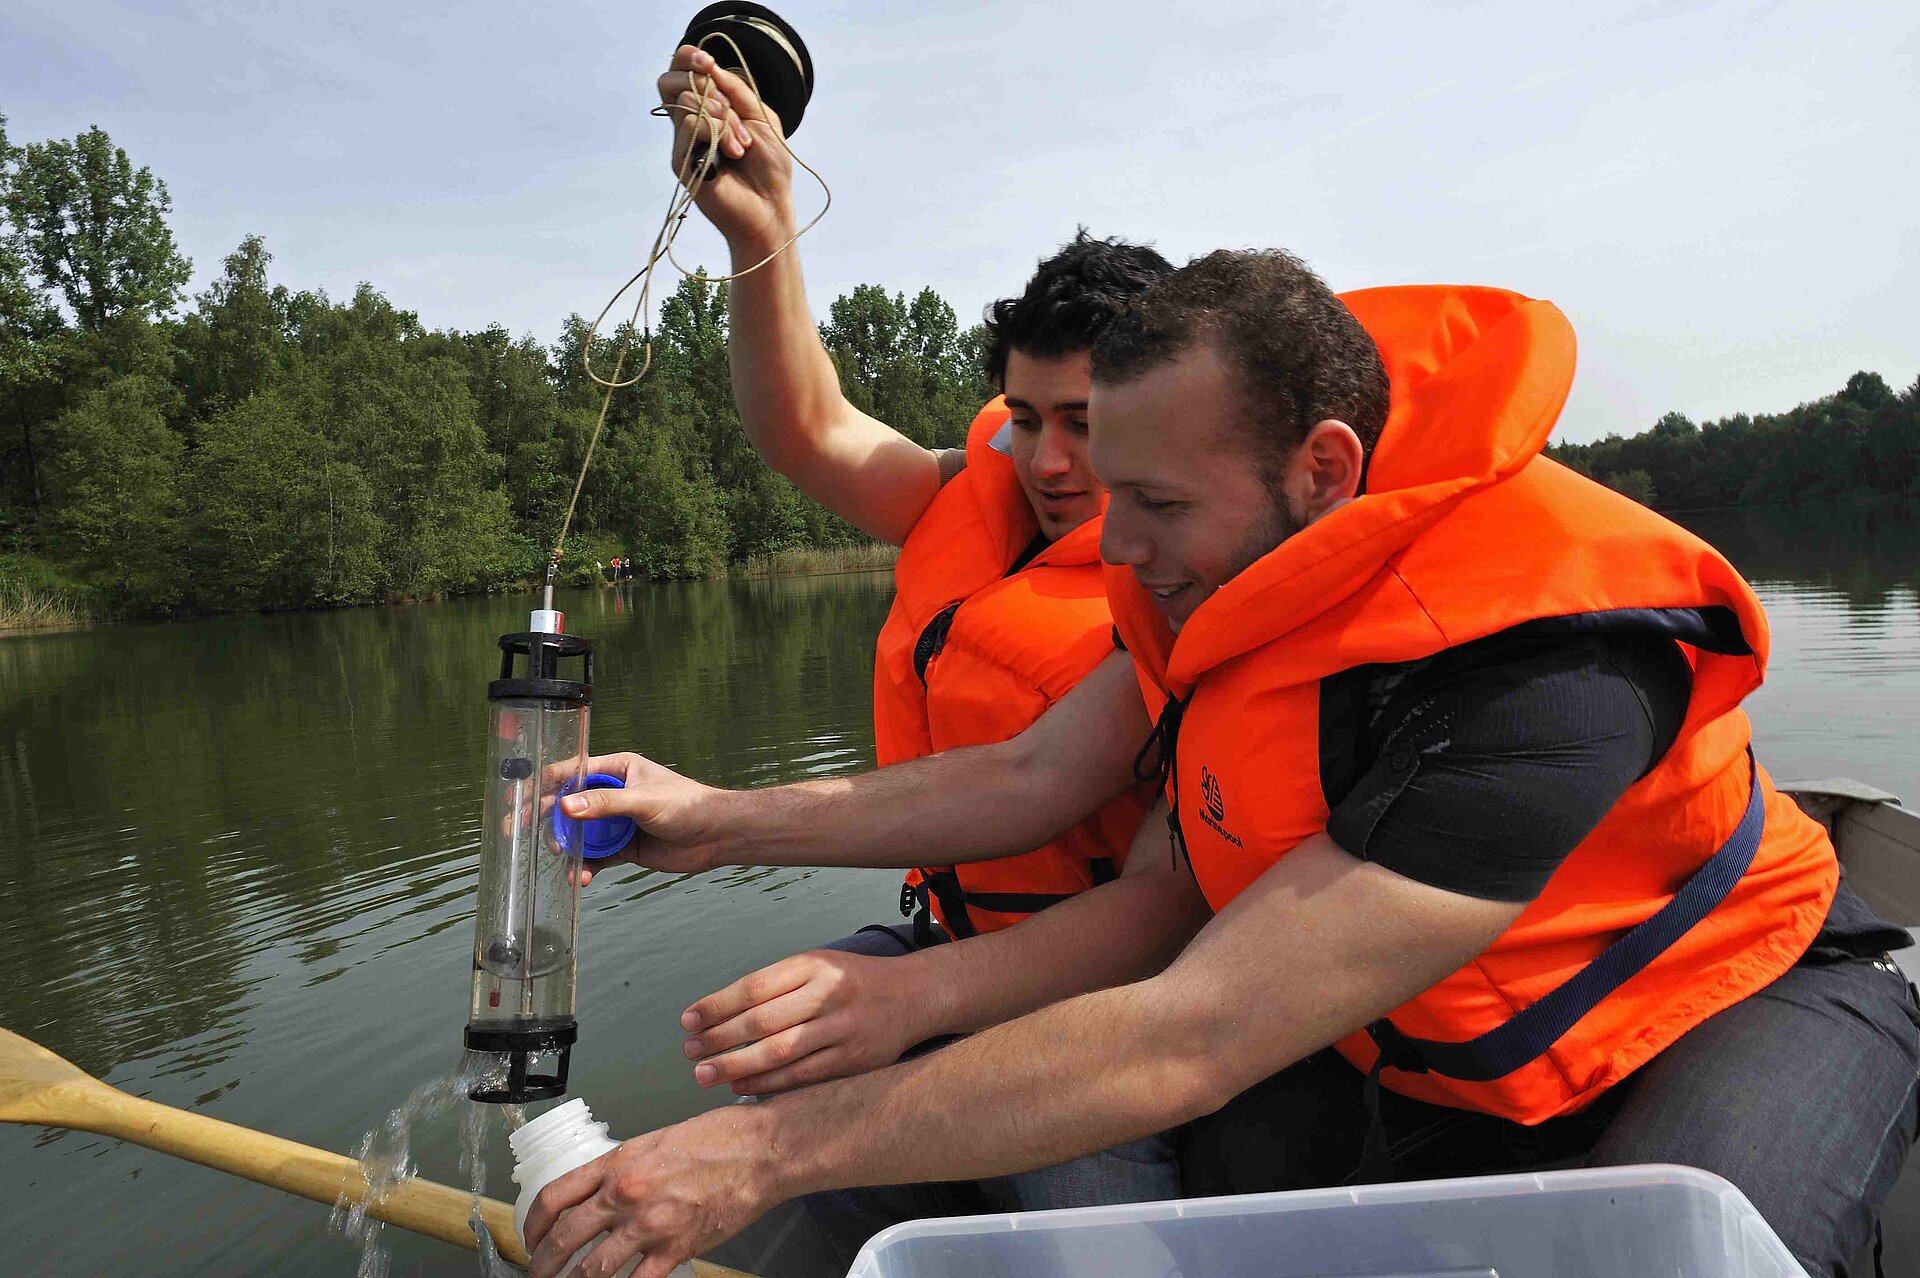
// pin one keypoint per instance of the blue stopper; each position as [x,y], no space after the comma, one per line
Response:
[598,837]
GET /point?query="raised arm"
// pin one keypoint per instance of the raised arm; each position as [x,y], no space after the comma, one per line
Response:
[784,384]
[962,805]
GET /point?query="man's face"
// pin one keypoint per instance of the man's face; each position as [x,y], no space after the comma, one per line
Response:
[1191,506]
[1049,402]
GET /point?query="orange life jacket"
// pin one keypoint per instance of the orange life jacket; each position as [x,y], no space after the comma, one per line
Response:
[1466,531]
[971,654]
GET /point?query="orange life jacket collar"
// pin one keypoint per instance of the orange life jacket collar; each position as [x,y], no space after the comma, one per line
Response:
[1510,357]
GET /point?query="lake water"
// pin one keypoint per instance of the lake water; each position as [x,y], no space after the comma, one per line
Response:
[237,859]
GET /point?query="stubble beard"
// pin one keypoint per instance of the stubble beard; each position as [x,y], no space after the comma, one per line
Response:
[1276,524]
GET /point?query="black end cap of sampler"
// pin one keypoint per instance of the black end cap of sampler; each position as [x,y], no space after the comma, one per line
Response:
[520,1044]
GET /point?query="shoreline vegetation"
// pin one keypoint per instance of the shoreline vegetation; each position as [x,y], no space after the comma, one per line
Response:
[23,608]
[256,448]
[820,561]
[262,449]
[28,606]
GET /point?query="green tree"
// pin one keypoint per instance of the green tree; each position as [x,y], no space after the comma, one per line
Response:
[94,228]
[395,406]
[27,317]
[116,487]
[1636,484]
[865,329]
[1893,439]
[278,520]
[907,364]
[1861,442]
[520,412]
[235,341]
[692,388]
[672,524]
[1868,391]
[30,333]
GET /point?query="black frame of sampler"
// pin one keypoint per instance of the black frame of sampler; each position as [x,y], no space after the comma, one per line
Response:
[522,1041]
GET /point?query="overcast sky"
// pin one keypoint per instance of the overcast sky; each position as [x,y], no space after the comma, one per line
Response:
[1725,198]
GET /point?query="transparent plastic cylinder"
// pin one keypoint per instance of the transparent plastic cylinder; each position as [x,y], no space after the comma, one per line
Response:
[529,891]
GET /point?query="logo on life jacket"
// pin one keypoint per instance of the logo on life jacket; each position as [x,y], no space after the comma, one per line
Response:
[1210,791]
[1214,810]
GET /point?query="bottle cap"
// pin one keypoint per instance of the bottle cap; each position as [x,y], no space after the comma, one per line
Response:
[597,837]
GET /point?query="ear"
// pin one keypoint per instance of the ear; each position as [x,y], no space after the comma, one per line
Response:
[1326,470]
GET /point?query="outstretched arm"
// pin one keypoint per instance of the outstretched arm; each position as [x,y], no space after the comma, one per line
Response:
[824,1014]
[962,805]
[1319,946]
[784,384]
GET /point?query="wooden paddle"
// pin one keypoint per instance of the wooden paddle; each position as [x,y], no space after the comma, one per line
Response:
[39,1088]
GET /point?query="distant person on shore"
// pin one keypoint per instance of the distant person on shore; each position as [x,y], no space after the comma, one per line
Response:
[1473,867]
[1000,606]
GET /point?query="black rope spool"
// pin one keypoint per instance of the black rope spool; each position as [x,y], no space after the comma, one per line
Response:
[774,52]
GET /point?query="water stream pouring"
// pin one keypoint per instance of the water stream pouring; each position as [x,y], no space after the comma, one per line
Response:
[529,892]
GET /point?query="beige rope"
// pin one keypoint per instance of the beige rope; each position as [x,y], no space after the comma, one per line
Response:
[687,185]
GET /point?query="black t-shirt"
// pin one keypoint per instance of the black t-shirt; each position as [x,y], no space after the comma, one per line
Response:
[1480,769]
[1483,767]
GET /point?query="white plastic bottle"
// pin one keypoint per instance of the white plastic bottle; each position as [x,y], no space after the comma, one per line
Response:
[563,1138]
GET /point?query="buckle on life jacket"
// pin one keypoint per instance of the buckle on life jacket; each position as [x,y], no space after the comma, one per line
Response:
[1396,1050]
[909,897]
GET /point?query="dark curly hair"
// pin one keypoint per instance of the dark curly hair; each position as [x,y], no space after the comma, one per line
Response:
[1069,301]
[1301,355]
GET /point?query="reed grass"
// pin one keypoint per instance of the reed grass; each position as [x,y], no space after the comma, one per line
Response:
[24,606]
[815,561]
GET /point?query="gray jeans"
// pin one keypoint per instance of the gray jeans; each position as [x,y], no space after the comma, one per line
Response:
[1802,1095]
[1138,1171]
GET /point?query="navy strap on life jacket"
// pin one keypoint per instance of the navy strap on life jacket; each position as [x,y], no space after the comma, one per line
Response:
[941,883]
[1535,1028]
[944,886]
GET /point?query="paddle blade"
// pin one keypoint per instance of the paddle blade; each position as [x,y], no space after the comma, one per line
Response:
[36,1086]
[39,1087]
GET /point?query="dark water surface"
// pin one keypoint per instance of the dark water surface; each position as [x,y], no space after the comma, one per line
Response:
[237,859]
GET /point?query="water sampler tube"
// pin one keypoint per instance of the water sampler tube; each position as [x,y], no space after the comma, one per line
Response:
[529,891]
[528,910]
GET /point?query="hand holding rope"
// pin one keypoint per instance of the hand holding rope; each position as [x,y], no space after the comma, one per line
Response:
[696,166]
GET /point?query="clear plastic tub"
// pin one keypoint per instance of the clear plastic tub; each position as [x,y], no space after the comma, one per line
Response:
[1609,1222]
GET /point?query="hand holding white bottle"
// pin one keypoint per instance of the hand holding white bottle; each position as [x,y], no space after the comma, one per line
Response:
[563,1138]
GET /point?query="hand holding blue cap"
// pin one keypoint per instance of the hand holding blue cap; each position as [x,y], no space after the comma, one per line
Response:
[598,837]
